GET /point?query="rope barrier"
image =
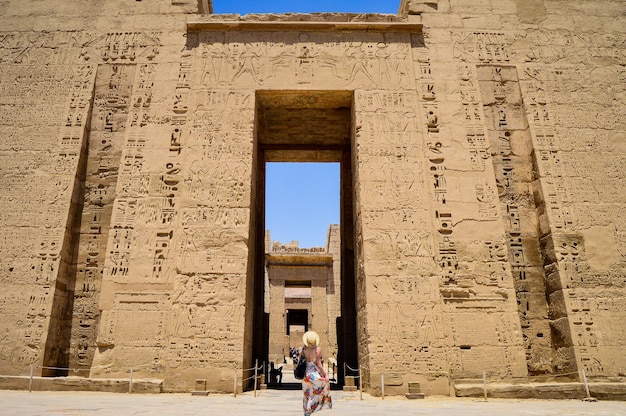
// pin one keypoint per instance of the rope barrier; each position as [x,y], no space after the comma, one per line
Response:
[259,368]
[358,371]
[353,369]
[445,373]
[249,378]
[61,368]
[255,376]
[421,373]
[552,375]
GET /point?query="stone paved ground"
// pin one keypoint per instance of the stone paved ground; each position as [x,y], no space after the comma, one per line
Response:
[284,403]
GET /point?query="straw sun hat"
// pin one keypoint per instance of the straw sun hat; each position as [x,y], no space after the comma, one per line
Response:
[311,339]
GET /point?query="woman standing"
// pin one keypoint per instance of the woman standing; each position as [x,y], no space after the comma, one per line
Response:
[315,384]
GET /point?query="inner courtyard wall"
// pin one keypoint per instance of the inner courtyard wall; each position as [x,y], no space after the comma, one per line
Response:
[303,278]
[487,140]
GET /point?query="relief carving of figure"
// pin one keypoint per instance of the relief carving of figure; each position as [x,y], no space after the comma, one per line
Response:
[243,59]
[393,58]
[365,61]
[213,57]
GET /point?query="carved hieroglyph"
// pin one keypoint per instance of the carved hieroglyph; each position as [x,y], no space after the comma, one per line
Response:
[481,151]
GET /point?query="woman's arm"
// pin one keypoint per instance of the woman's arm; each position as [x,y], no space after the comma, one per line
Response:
[319,362]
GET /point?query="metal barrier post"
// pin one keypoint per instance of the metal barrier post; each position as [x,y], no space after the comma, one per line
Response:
[256,369]
[235,384]
[586,385]
[485,384]
[360,384]
[382,384]
[30,381]
[130,382]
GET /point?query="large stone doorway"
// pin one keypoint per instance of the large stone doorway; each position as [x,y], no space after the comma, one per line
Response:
[306,126]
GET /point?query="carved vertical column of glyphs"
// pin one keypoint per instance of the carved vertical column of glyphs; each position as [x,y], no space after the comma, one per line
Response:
[118,140]
[566,166]
[212,252]
[108,128]
[395,264]
[556,241]
[140,244]
[143,224]
[512,150]
[474,281]
[73,145]
[213,139]
[394,234]
[436,149]
[115,55]
[72,148]
[435,179]
[43,109]
[574,110]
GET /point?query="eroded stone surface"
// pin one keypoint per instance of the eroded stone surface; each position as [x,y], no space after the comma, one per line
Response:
[481,143]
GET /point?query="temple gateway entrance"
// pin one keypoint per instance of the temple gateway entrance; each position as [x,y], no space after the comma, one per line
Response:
[298,289]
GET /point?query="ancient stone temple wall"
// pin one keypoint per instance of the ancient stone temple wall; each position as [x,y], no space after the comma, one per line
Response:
[482,142]
[536,98]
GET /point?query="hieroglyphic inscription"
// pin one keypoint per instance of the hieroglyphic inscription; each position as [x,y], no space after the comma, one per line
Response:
[483,47]
[436,145]
[490,346]
[35,254]
[574,46]
[121,47]
[544,131]
[459,178]
[239,58]
[598,350]
[112,100]
[219,160]
[511,147]
[40,50]
[215,341]
[391,173]
[388,162]
[396,301]
[210,160]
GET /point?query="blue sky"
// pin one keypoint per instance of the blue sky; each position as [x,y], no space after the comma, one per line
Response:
[302,199]
[305,6]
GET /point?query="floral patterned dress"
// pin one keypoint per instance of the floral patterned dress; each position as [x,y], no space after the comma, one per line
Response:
[316,390]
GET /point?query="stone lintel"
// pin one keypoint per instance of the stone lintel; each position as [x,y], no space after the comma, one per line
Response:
[299,259]
[294,154]
[198,25]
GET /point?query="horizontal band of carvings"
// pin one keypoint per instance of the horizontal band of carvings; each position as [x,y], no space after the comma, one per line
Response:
[300,258]
[227,25]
